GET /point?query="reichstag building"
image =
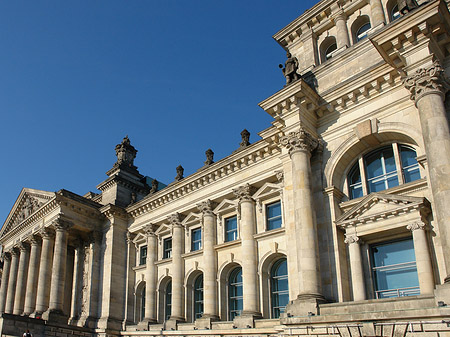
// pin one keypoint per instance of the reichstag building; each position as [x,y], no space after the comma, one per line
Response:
[336,222]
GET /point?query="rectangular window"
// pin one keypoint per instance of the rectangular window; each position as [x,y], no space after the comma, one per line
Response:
[273,215]
[231,229]
[167,248]
[394,269]
[143,255]
[196,239]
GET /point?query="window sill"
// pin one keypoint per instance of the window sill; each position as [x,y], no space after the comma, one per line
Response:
[228,244]
[163,261]
[194,253]
[140,267]
[403,189]
[271,232]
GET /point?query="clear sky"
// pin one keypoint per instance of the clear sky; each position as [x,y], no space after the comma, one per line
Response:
[178,77]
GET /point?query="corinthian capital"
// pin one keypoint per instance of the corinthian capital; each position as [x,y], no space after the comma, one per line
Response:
[206,207]
[353,238]
[299,141]
[175,219]
[244,193]
[427,81]
[416,225]
[149,230]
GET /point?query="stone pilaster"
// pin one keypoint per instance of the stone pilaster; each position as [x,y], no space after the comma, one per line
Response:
[22,274]
[33,273]
[130,278]
[178,268]
[57,284]
[376,13]
[423,257]
[249,250]
[342,37]
[5,280]
[151,275]
[428,87]
[210,305]
[300,144]
[356,267]
[77,282]
[45,271]
[12,281]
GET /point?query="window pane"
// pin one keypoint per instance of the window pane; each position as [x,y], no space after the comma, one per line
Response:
[373,165]
[273,216]
[196,237]
[143,255]
[279,287]
[231,229]
[198,297]
[167,253]
[389,161]
[235,299]
[410,166]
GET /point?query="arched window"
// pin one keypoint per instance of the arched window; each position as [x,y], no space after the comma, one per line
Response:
[383,168]
[279,287]
[168,301]
[360,28]
[394,14]
[142,316]
[198,297]
[235,296]
[327,47]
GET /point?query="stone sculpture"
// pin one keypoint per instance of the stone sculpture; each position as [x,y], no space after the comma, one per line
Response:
[290,69]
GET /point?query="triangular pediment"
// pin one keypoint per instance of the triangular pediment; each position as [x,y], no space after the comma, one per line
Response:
[225,206]
[191,218]
[28,202]
[378,205]
[267,190]
[163,228]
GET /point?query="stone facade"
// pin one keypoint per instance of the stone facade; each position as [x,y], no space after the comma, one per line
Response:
[335,222]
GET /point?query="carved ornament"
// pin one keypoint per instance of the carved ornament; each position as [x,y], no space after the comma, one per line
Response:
[431,80]
[416,225]
[299,141]
[244,193]
[206,207]
[175,220]
[353,238]
[46,233]
[149,230]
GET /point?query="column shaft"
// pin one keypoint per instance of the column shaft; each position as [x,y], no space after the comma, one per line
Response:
[150,277]
[342,38]
[5,281]
[177,273]
[12,282]
[376,12]
[356,268]
[77,281]
[210,306]
[22,274]
[33,273]
[45,272]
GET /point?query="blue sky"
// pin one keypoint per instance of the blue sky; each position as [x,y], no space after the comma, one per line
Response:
[177,77]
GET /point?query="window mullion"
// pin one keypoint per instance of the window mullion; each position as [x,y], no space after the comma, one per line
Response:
[362,173]
[398,164]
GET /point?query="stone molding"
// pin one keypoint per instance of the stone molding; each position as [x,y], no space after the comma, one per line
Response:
[206,207]
[425,81]
[352,238]
[299,140]
[417,225]
[244,193]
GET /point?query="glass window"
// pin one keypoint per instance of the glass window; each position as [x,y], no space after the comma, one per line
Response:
[394,269]
[279,287]
[395,14]
[361,33]
[381,170]
[231,229]
[168,301]
[329,50]
[143,304]
[410,166]
[143,255]
[198,297]
[167,248]
[273,215]
[196,239]
[235,297]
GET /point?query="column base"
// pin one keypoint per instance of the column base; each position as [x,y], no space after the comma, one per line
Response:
[205,322]
[304,305]
[87,321]
[55,316]
[109,323]
[172,323]
[144,324]
[246,319]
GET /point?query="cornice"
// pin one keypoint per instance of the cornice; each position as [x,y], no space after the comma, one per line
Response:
[221,169]
[120,180]
[112,211]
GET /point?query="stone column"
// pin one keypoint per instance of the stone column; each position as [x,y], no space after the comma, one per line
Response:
[5,281]
[22,274]
[33,273]
[151,275]
[356,267]
[45,271]
[210,305]
[177,268]
[376,13]
[249,250]
[428,87]
[12,281]
[342,37]
[423,257]
[130,277]
[57,284]
[77,283]
[300,144]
